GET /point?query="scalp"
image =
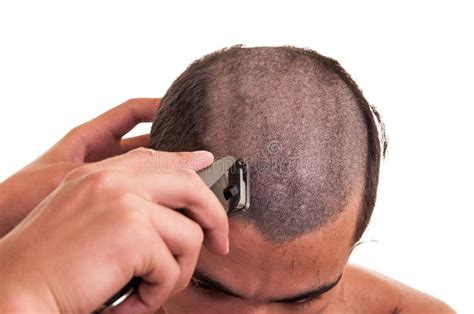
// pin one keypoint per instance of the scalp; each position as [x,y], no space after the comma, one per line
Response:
[284,109]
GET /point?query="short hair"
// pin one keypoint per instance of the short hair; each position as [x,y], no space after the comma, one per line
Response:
[310,137]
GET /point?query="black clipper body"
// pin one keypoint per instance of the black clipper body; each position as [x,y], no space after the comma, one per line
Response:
[228,178]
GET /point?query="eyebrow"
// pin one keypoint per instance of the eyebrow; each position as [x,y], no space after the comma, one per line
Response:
[201,277]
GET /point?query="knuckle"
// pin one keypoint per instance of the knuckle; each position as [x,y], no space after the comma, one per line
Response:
[124,200]
[101,180]
[193,183]
[191,176]
[74,132]
[132,225]
[131,100]
[196,235]
[144,152]
[133,234]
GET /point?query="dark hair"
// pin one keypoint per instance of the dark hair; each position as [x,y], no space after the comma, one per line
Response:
[209,102]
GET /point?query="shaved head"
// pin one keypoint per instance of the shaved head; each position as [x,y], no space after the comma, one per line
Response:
[309,136]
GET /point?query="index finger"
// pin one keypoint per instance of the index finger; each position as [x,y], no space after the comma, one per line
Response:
[186,191]
[150,160]
[174,184]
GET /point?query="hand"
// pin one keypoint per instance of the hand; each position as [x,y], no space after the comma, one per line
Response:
[106,223]
[95,140]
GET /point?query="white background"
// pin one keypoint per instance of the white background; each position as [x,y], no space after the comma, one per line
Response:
[64,62]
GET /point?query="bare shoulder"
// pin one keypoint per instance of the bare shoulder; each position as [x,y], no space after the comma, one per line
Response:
[373,292]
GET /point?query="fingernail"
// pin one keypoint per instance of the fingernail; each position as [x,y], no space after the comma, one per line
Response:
[202,152]
[201,159]
[226,244]
[227,248]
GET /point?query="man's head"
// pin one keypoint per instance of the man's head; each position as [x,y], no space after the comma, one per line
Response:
[312,146]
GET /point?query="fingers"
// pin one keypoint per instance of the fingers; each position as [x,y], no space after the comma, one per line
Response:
[170,256]
[159,276]
[186,190]
[121,119]
[169,182]
[144,159]
[183,237]
[183,189]
[134,142]
[173,187]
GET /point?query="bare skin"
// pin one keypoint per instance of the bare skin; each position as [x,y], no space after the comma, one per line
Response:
[365,291]
[261,273]
[258,270]
[385,295]
[95,140]
[106,223]
[92,224]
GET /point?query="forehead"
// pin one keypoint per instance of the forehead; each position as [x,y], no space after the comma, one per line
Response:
[258,268]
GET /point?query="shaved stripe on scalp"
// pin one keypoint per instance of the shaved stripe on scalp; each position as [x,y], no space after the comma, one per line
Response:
[310,137]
